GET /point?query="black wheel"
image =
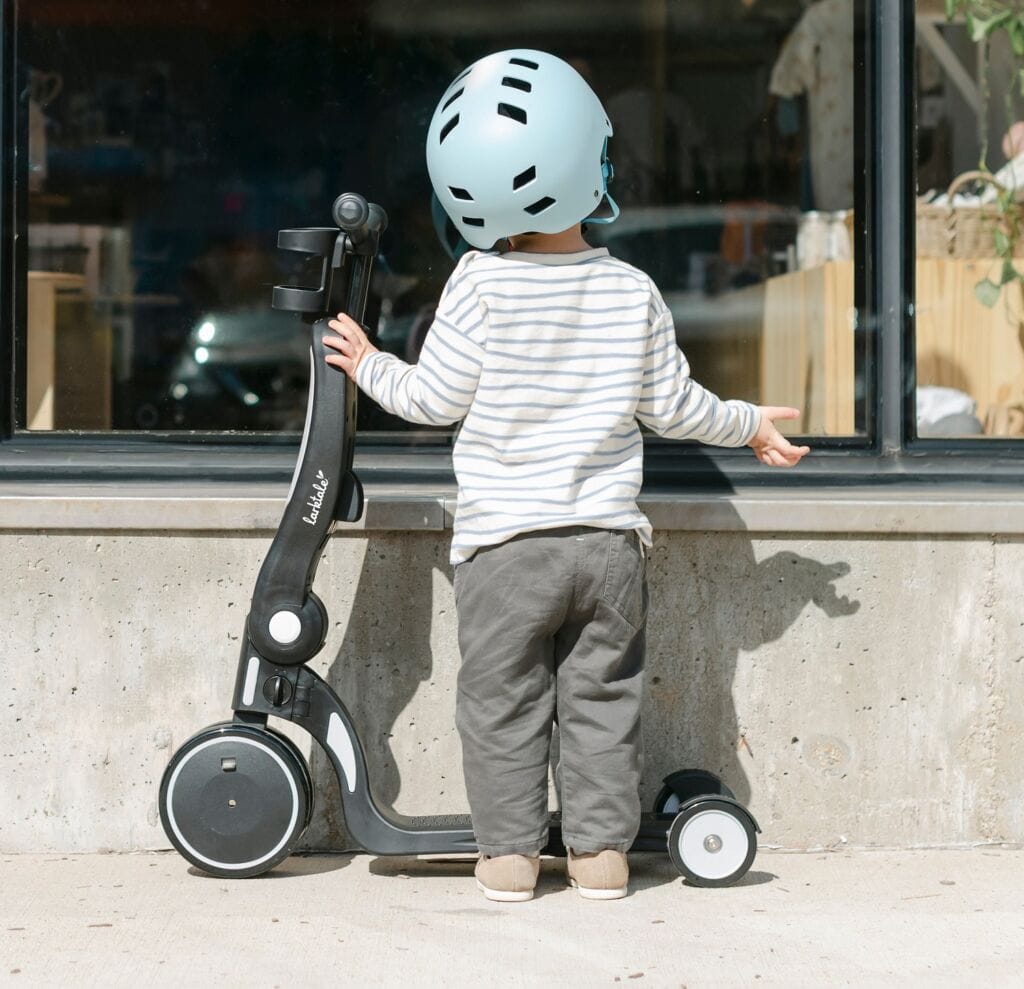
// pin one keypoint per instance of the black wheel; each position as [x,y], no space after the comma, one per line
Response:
[712,842]
[685,784]
[235,799]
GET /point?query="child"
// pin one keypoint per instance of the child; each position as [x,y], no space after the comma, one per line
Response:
[550,353]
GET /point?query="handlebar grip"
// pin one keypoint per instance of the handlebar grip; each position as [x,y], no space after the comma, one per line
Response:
[363,222]
[350,212]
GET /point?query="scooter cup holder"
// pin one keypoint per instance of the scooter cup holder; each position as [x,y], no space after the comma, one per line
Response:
[359,228]
[318,241]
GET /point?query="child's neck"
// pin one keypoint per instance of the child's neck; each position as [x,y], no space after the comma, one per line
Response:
[566,242]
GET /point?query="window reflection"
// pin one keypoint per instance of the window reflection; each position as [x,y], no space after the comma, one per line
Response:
[168,143]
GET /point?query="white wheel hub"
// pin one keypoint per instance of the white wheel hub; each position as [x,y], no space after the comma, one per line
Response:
[713,844]
[285,627]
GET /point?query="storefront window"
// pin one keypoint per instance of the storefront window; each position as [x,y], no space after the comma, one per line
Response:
[165,145]
[970,159]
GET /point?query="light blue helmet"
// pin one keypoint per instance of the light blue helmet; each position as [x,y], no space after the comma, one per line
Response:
[519,142]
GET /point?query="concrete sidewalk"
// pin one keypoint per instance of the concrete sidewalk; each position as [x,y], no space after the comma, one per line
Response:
[935,918]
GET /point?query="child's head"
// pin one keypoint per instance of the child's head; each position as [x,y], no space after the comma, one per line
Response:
[519,142]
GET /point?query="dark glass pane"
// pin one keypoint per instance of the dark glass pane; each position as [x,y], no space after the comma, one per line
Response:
[167,143]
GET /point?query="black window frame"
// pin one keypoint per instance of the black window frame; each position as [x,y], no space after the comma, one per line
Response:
[884,260]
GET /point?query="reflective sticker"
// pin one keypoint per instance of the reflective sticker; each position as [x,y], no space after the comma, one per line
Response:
[338,740]
[251,675]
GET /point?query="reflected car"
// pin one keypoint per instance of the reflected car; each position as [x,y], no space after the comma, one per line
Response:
[239,369]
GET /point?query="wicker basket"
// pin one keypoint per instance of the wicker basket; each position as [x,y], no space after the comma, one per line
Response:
[961,231]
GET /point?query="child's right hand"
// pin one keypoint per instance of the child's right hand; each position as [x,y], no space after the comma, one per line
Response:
[770,446]
[352,344]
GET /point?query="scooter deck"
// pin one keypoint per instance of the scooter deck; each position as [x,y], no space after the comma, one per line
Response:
[651,837]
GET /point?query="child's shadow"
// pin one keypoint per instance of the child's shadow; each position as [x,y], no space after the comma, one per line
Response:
[711,601]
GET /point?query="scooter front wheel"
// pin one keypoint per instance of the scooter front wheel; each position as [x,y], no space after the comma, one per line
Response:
[235,799]
[712,842]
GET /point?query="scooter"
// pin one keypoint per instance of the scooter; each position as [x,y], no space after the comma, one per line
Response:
[236,798]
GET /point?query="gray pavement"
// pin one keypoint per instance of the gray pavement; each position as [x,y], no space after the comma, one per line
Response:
[935,918]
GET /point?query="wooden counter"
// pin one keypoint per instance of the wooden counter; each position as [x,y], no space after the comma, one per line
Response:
[796,332]
[68,356]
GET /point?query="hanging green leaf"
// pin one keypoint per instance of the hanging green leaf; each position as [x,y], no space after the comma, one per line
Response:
[982,29]
[1015,30]
[987,292]
[950,9]
[1009,272]
[1002,244]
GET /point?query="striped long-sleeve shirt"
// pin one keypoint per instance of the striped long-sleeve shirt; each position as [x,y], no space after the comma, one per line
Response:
[551,361]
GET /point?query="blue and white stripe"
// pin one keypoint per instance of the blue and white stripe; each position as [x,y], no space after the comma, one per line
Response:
[551,362]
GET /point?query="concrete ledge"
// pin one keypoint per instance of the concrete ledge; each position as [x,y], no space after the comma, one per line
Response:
[945,510]
[198,508]
[893,511]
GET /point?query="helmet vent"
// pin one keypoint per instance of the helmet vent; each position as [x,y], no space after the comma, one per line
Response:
[515,112]
[473,221]
[512,82]
[447,129]
[539,206]
[526,64]
[451,99]
[462,75]
[524,178]
[460,193]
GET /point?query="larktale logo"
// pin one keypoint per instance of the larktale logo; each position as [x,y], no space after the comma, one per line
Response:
[316,499]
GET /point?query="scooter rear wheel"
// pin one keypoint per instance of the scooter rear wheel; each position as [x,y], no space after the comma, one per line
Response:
[712,842]
[235,799]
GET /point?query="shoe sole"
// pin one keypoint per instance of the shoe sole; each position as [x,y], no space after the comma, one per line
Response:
[598,894]
[503,895]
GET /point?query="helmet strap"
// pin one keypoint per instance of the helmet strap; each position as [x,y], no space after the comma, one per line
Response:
[607,174]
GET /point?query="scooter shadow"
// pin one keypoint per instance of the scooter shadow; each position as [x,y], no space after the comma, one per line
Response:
[384,659]
[403,866]
[551,879]
[295,866]
[648,871]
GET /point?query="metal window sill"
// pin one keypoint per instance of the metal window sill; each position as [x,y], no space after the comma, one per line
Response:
[223,507]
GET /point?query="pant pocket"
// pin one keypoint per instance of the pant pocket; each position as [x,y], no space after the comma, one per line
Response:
[625,587]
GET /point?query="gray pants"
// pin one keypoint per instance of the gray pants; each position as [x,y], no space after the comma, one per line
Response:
[551,624]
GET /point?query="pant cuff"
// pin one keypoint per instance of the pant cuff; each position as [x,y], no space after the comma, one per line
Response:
[526,846]
[584,845]
[530,850]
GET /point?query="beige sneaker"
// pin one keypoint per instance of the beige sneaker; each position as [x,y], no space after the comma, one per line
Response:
[508,878]
[600,875]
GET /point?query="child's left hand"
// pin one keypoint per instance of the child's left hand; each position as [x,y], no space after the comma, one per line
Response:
[352,344]
[771,447]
